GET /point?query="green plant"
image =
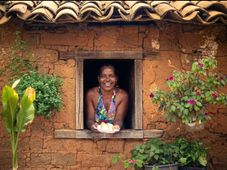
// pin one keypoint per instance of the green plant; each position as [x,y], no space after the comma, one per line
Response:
[47,88]
[19,61]
[17,114]
[191,153]
[128,163]
[191,92]
[154,152]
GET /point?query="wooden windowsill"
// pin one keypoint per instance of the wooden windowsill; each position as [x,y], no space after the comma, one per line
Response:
[123,134]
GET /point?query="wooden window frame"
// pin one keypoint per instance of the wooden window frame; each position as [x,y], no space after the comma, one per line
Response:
[137,115]
[137,122]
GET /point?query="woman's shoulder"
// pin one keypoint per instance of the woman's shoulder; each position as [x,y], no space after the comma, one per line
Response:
[93,91]
[122,93]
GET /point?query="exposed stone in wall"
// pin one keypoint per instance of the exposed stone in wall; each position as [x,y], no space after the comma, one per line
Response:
[210,46]
[149,39]
[164,49]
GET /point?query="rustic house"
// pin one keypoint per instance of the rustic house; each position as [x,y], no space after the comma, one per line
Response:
[72,38]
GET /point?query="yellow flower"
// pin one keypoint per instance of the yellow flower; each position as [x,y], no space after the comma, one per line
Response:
[30,92]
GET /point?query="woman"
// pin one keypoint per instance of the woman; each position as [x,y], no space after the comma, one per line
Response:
[106,103]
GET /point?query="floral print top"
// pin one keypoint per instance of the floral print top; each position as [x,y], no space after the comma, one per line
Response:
[103,115]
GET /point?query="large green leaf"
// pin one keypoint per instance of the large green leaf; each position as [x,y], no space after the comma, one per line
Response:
[203,160]
[10,107]
[27,111]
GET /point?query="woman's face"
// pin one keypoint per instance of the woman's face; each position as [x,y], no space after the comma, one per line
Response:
[107,79]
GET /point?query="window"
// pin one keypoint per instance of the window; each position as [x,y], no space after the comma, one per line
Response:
[126,79]
[129,66]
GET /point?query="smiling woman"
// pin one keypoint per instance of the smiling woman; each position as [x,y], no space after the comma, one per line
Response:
[106,103]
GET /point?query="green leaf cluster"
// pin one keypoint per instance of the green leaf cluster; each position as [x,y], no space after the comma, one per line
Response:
[190,153]
[128,163]
[156,152]
[48,97]
[190,92]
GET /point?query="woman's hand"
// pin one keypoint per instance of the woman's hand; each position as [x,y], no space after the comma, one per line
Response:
[94,127]
[117,128]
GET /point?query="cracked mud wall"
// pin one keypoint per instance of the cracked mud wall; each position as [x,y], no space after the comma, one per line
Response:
[160,43]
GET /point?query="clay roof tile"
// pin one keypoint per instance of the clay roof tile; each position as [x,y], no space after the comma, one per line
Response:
[201,12]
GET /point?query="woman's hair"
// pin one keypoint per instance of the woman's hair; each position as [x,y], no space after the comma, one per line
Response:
[107,66]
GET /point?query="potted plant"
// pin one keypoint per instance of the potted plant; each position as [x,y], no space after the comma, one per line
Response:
[190,93]
[155,154]
[192,154]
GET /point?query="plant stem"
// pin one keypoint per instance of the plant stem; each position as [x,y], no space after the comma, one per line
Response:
[14,142]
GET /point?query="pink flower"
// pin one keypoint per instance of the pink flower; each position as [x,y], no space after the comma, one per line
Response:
[191,102]
[151,95]
[130,161]
[200,65]
[170,78]
[214,95]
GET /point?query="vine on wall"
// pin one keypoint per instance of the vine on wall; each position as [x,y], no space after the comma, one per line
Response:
[19,61]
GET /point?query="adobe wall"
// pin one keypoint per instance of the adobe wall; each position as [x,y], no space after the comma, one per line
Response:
[39,150]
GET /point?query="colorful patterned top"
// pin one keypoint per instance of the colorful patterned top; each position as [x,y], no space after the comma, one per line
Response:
[103,115]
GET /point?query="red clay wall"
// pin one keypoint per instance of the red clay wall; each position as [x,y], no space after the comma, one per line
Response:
[39,150]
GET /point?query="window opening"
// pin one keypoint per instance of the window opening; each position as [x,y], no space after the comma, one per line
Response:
[126,74]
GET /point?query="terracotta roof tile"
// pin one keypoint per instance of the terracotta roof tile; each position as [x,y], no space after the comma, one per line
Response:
[203,12]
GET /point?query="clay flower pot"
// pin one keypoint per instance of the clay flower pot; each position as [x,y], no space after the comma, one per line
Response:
[162,167]
[193,127]
[192,168]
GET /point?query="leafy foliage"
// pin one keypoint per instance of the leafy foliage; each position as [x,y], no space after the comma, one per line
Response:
[128,163]
[19,61]
[191,153]
[153,152]
[48,91]
[156,152]
[191,92]
[20,65]
[17,114]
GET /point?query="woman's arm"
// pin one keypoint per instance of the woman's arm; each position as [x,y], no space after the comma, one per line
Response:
[90,110]
[121,109]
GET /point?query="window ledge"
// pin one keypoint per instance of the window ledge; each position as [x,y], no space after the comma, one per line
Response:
[123,134]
